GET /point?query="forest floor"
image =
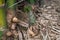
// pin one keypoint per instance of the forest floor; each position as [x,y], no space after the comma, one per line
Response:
[47,26]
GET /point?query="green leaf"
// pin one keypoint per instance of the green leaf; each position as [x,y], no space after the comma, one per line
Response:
[10,3]
[1,33]
[31,18]
[31,1]
[27,8]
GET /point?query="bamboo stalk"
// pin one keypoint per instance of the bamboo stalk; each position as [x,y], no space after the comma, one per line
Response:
[2,18]
[2,14]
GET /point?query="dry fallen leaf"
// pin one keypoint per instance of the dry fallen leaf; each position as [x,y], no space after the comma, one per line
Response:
[8,33]
[31,33]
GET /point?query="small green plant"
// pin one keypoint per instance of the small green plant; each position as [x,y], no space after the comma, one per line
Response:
[28,9]
[10,4]
[31,1]
[1,34]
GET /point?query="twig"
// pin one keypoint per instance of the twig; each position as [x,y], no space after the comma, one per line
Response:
[44,37]
[24,24]
[21,35]
[16,3]
[19,11]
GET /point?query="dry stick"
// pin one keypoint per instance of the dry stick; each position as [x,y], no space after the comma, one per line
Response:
[47,35]
[22,35]
[57,28]
[20,32]
[54,30]
[15,3]
[24,24]
[44,36]
[19,11]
